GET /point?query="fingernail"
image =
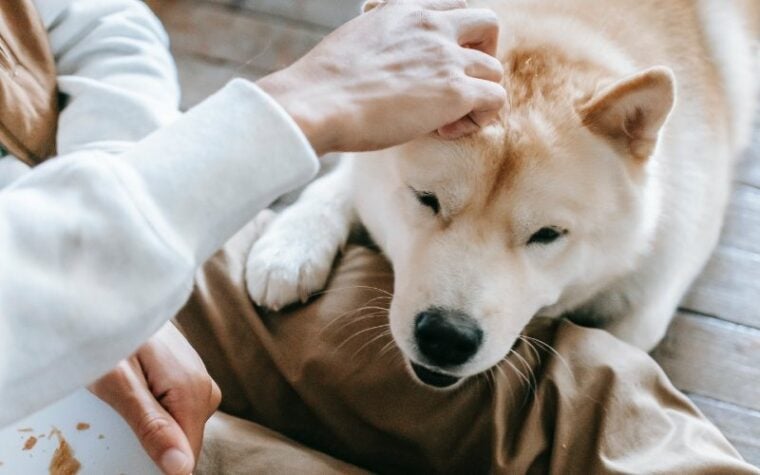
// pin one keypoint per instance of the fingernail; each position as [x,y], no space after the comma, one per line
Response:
[175,462]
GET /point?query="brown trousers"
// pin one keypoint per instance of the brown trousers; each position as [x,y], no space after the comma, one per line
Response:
[326,376]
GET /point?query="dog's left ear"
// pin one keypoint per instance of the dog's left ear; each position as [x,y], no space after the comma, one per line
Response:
[632,111]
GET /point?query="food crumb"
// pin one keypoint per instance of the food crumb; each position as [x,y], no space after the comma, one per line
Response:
[101,436]
[63,461]
[83,426]
[30,443]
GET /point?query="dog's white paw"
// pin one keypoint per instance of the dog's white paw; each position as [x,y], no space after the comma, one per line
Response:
[289,263]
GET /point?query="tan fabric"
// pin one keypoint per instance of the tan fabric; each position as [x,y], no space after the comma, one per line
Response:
[327,376]
[235,446]
[28,92]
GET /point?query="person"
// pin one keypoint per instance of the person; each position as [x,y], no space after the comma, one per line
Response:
[99,245]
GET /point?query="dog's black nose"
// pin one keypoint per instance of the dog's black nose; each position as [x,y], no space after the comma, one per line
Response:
[447,337]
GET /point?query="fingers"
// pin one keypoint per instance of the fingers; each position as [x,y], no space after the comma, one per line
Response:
[192,409]
[485,99]
[463,127]
[482,66]
[180,382]
[475,28]
[487,102]
[126,390]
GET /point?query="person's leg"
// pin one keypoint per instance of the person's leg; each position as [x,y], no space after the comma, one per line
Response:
[234,446]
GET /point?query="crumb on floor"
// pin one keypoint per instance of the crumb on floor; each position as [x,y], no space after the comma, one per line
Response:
[63,461]
[30,443]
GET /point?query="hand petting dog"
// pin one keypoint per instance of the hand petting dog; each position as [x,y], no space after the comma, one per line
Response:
[404,69]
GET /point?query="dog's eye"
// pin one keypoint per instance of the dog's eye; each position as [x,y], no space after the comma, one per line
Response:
[547,235]
[428,199]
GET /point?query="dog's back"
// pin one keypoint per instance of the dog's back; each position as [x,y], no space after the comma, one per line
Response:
[732,34]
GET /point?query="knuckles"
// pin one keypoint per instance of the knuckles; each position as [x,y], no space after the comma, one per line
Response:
[489,18]
[215,397]
[422,19]
[457,87]
[118,381]
[194,392]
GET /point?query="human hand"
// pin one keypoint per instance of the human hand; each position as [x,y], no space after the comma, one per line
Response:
[166,396]
[405,69]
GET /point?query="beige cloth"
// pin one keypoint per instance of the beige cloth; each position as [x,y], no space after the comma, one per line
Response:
[28,92]
[326,376]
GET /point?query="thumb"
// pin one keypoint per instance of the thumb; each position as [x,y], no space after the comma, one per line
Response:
[162,438]
[127,392]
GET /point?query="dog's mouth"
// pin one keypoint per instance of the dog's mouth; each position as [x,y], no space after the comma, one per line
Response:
[433,378]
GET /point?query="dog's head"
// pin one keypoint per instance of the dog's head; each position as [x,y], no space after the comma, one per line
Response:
[530,216]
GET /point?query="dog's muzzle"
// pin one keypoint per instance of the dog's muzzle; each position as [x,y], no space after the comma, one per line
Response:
[432,378]
[445,337]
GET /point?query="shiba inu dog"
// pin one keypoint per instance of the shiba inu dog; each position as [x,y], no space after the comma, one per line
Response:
[599,196]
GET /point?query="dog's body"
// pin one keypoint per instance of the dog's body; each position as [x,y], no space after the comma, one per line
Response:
[600,195]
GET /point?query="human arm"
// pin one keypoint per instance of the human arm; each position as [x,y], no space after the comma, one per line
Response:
[88,268]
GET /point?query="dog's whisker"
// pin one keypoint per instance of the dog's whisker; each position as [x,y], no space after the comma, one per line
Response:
[396,358]
[528,371]
[350,312]
[352,287]
[342,316]
[490,380]
[359,319]
[384,350]
[381,335]
[534,352]
[549,348]
[516,370]
[361,332]
[508,382]
[363,318]
[374,311]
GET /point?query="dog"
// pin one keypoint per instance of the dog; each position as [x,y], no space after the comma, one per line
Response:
[599,196]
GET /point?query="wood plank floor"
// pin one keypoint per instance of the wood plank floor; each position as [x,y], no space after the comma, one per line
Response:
[712,351]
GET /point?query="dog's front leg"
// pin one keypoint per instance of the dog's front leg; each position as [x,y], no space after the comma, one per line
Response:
[294,256]
[647,321]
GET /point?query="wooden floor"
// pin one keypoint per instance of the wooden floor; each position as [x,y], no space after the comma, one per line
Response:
[712,351]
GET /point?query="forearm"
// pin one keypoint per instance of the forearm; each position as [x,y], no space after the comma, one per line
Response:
[98,251]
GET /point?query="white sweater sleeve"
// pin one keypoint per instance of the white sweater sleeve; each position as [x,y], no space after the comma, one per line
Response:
[98,249]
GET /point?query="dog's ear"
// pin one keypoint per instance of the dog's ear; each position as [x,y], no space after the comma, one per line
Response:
[371,5]
[632,111]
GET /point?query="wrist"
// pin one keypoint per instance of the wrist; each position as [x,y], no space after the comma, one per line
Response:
[315,122]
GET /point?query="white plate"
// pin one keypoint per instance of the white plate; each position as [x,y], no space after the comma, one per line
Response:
[116,452]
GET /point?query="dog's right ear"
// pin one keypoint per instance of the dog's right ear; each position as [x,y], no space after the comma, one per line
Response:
[632,111]
[371,5]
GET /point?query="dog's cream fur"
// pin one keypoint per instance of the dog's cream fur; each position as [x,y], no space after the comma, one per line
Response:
[624,120]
